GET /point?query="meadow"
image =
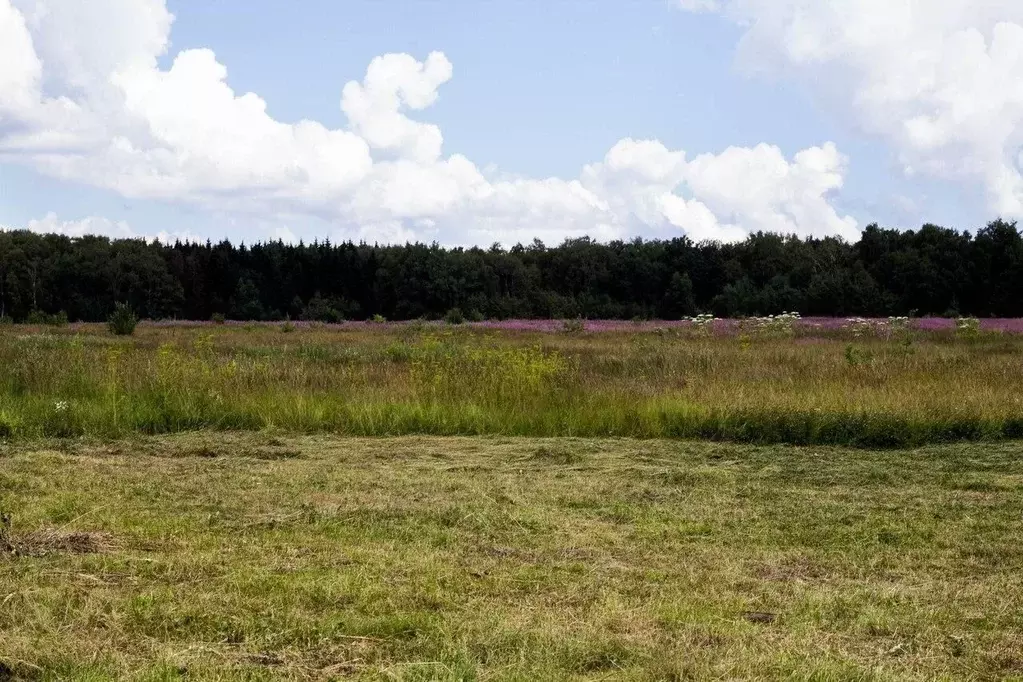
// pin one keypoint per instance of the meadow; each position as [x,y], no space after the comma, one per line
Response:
[763,499]
[868,383]
[258,557]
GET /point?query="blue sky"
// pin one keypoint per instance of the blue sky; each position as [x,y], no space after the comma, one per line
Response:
[537,90]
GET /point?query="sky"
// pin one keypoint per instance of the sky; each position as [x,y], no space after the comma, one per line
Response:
[479,121]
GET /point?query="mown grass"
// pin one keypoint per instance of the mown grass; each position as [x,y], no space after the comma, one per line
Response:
[382,380]
[255,557]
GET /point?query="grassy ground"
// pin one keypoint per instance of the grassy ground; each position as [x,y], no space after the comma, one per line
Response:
[252,557]
[766,386]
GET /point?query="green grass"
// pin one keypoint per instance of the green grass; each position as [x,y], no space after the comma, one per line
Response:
[383,380]
[259,557]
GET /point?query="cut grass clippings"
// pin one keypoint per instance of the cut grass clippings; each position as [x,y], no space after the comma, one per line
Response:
[268,557]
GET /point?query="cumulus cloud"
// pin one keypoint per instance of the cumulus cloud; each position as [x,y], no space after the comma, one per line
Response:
[941,80]
[392,81]
[83,98]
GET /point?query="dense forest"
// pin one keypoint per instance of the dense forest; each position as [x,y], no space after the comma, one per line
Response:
[930,271]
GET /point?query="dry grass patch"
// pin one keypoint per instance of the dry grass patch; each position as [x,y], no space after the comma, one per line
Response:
[51,540]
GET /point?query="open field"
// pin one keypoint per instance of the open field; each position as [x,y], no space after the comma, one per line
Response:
[251,557]
[868,384]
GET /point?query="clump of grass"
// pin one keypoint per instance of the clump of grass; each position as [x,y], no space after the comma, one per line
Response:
[573,326]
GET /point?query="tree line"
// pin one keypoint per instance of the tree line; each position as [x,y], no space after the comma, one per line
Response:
[930,271]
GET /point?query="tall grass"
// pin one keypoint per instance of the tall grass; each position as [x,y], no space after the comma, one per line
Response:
[839,386]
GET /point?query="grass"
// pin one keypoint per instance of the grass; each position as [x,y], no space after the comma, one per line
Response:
[262,557]
[831,387]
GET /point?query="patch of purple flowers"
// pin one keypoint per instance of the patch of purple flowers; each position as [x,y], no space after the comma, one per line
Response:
[806,326]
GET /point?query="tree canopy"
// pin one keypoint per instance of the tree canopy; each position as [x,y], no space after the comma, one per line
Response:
[933,270]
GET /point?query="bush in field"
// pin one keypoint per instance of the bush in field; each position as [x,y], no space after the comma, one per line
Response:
[378,319]
[454,316]
[288,327]
[122,321]
[218,318]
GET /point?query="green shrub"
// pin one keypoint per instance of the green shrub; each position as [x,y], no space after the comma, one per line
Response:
[6,320]
[218,318]
[288,327]
[454,316]
[39,317]
[855,356]
[321,309]
[378,319]
[122,321]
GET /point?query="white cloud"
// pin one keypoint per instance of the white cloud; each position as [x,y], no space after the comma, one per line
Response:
[393,80]
[700,5]
[83,98]
[286,235]
[79,228]
[98,226]
[730,193]
[19,79]
[941,80]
